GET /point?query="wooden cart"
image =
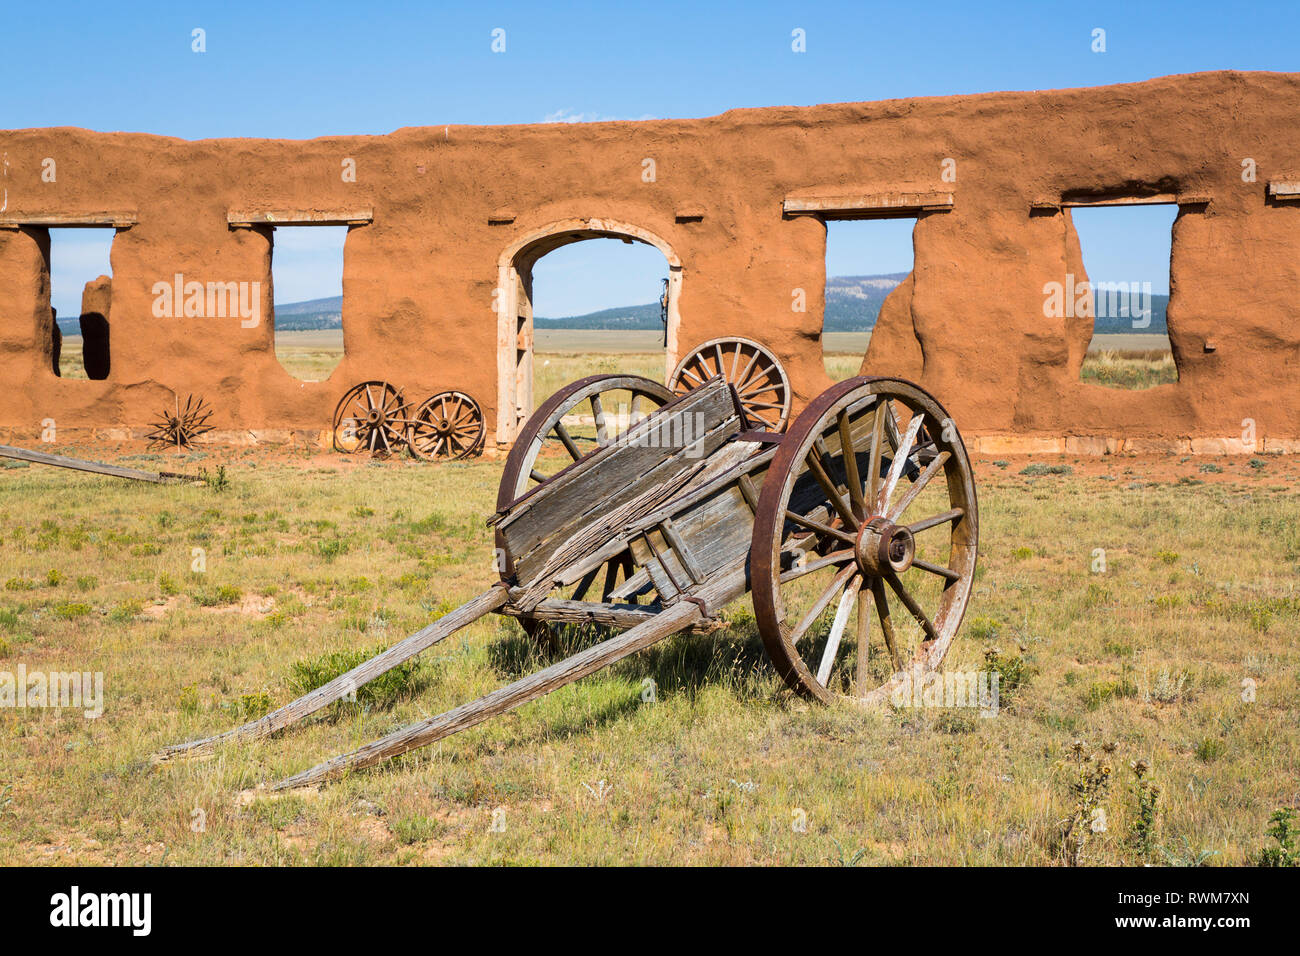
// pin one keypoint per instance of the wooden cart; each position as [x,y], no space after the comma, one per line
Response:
[625,506]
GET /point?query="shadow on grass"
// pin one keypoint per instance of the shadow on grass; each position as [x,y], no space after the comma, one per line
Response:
[733,657]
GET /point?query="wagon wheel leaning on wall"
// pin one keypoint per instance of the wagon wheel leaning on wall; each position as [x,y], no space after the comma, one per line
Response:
[447,425]
[757,375]
[370,416]
[573,422]
[839,539]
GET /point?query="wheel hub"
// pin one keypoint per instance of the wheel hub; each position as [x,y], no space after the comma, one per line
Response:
[884,548]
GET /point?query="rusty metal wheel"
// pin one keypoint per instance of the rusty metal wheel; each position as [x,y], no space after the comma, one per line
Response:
[449,425]
[370,417]
[871,530]
[760,381]
[574,422]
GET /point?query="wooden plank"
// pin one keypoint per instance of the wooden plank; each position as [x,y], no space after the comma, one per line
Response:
[98,468]
[1284,190]
[342,686]
[617,615]
[681,550]
[507,698]
[602,485]
[245,218]
[848,205]
[122,219]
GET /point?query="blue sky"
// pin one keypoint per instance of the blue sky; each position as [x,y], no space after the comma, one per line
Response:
[303,70]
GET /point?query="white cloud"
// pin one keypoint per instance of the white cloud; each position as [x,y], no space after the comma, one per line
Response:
[574,116]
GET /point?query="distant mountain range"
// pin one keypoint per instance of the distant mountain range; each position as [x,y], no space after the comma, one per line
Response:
[852,305]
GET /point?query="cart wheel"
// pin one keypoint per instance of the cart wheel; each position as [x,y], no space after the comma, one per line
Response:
[571,423]
[893,524]
[369,416]
[449,425]
[760,381]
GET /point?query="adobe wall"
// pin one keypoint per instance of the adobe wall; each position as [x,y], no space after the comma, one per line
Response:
[418,280]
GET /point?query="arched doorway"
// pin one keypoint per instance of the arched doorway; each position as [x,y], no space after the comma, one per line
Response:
[514,305]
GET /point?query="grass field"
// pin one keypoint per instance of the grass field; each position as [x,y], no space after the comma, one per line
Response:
[306,557]
[1138,602]
[1119,361]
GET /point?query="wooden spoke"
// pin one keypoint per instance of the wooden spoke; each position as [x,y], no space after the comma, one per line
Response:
[886,622]
[822,602]
[901,452]
[917,527]
[835,557]
[910,603]
[598,413]
[569,444]
[938,569]
[850,456]
[830,490]
[819,527]
[862,673]
[874,455]
[918,486]
[837,630]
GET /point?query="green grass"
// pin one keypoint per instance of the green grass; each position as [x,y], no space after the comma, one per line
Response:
[1198,604]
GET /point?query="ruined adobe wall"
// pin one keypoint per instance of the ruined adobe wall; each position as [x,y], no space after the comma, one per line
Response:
[418,280]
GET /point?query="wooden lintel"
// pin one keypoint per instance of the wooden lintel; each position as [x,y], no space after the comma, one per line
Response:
[118,220]
[851,205]
[689,214]
[1285,190]
[1155,199]
[246,218]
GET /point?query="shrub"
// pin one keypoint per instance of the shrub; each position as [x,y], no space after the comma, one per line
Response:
[1099,692]
[1146,796]
[1038,468]
[1210,749]
[1283,831]
[1089,784]
[249,706]
[223,594]
[1013,673]
[386,689]
[216,480]
[415,829]
[71,610]
[127,610]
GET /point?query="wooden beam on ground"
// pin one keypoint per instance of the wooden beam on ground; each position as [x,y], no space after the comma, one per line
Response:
[348,683]
[98,468]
